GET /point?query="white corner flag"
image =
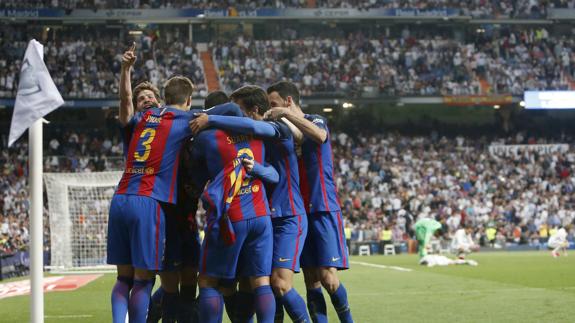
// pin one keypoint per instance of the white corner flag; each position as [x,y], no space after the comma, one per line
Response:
[37,94]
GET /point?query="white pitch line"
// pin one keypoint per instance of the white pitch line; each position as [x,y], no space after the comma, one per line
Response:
[380,266]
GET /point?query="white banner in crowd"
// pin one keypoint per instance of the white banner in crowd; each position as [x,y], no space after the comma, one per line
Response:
[506,150]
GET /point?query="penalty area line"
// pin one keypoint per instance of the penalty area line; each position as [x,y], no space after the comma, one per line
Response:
[367,264]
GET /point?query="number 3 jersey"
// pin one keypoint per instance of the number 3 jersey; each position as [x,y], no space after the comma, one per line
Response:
[152,155]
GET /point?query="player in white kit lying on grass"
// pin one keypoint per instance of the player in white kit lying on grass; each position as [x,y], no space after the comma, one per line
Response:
[439,260]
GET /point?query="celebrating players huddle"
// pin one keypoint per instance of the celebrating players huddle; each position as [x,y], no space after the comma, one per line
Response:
[264,172]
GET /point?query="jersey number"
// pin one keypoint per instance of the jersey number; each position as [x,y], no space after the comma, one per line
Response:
[237,185]
[149,134]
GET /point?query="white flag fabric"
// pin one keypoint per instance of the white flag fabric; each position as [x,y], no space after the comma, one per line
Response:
[37,94]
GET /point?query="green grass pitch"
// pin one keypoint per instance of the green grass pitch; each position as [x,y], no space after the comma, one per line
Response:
[505,287]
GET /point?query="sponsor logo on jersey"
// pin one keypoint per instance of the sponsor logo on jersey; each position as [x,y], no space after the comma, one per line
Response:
[140,170]
[152,119]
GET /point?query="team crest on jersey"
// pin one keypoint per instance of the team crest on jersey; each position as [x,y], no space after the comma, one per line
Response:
[255,188]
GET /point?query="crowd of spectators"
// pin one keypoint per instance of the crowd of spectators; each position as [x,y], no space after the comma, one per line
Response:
[385,181]
[406,62]
[14,204]
[388,182]
[475,8]
[492,61]
[86,64]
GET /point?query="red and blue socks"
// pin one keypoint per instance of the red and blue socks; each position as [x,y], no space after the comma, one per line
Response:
[139,300]
[339,301]
[295,307]
[316,305]
[265,304]
[120,298]
[211,305]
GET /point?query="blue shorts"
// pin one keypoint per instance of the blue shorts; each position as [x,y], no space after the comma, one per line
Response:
[325,242]
[182,241]
[289,239]
[136,232]
[249,256]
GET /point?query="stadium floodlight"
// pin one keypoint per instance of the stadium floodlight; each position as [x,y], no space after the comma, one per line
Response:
[522,104]
[496,106]
[327,109]
[348,105]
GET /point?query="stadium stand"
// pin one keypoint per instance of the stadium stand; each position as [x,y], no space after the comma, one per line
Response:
[383,180]
[85,62]
[415,63]
[500,61]
[475,8]
[391,180]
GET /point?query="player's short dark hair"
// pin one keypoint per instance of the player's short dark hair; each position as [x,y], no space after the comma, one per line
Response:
[144,86]
[285,89]
[216,98]
[252,97]
[178,89]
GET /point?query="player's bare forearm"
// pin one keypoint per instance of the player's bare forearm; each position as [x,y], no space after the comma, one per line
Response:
[310,130]
[297,134]
[126,106]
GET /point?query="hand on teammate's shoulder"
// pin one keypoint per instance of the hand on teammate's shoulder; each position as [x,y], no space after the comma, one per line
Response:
[276,113]
[199,123]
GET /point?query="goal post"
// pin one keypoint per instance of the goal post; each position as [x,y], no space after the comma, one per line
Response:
[78,205]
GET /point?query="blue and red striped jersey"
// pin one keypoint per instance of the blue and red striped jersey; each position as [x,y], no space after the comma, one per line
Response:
[153,153]
[284,197]
[219,149]
[317,180]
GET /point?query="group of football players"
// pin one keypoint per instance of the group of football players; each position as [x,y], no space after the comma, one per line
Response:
[263,171]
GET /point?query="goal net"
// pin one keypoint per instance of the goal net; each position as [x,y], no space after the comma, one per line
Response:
[78,205]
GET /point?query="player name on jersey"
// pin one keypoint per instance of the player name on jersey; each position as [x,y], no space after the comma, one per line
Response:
[232,140]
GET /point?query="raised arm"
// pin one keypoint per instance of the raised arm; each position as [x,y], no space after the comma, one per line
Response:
[126,105]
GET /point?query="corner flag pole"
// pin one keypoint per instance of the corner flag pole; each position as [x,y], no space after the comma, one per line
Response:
[35,152]
[37,96]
